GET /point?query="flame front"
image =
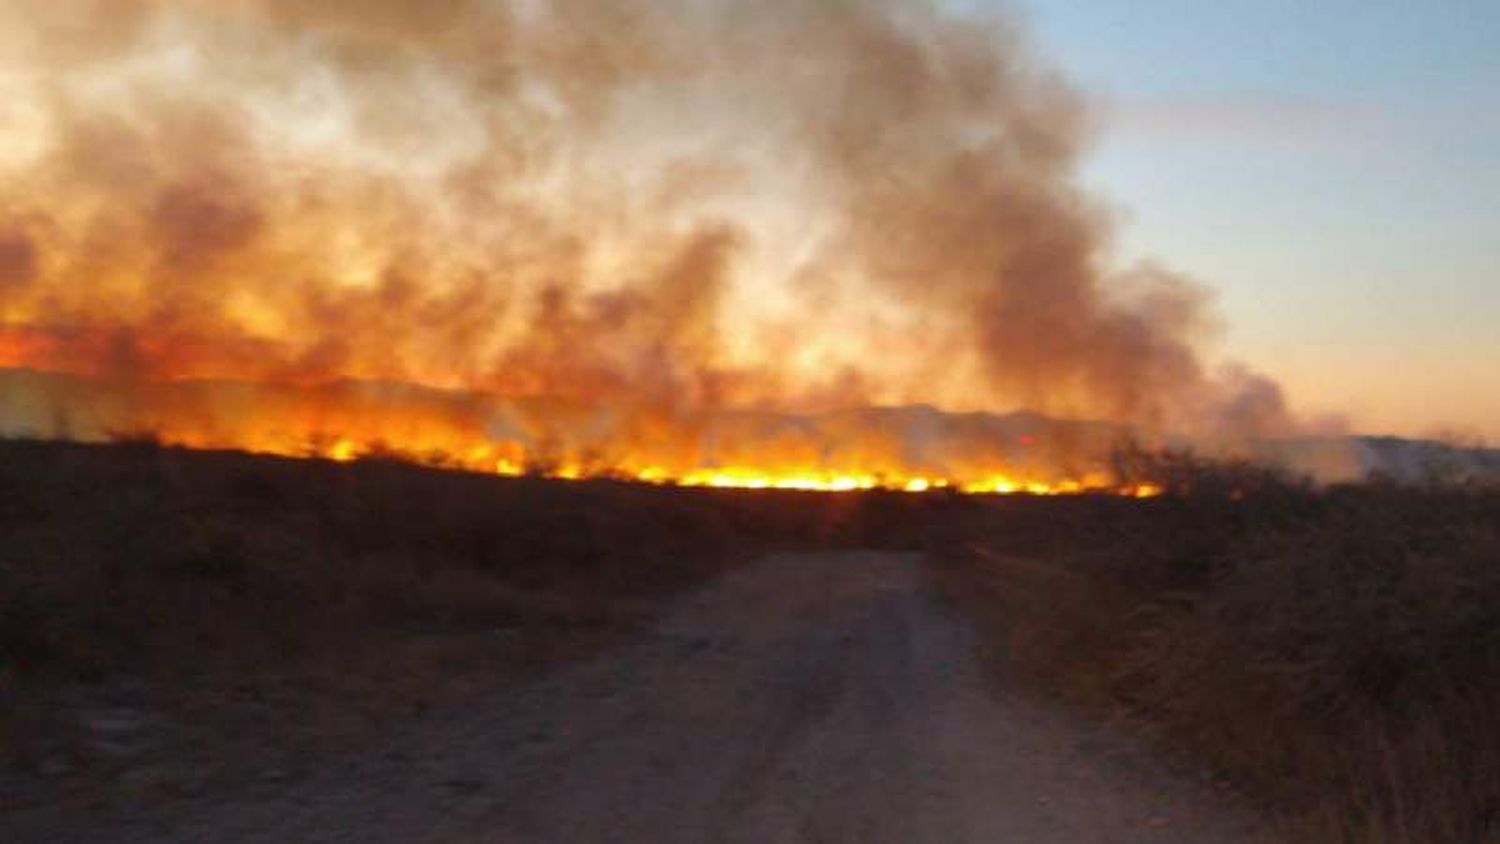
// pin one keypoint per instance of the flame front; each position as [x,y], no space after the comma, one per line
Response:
[904,449]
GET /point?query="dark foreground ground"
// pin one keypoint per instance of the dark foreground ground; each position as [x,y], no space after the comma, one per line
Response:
[178,625]
[803,698]
[196,645]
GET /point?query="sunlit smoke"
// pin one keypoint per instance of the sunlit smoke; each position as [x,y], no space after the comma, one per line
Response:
[605,228]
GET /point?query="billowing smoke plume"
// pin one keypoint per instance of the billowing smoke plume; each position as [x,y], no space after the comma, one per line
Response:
[669,207]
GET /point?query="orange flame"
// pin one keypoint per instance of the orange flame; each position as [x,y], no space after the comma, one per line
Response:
[909,450]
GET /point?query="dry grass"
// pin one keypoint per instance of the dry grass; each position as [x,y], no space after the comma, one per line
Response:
[135,558]
[236,604]
[1336,653]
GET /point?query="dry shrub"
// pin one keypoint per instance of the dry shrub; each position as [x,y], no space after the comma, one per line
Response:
[1337,653]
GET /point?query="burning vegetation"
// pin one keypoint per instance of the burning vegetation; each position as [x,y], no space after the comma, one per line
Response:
[596,238]
[908,449]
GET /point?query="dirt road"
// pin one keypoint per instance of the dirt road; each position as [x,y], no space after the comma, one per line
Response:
[806,698]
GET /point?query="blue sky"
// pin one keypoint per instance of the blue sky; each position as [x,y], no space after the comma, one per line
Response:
[1331,168]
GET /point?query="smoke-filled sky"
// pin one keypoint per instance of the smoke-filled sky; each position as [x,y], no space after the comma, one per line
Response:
[1331,169]
[661,208]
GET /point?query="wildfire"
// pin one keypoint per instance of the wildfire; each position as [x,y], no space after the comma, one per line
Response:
[476,235]
[915,450]
[768,476]
[774,477]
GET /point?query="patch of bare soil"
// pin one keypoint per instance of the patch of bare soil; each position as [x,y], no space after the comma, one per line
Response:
[805,698]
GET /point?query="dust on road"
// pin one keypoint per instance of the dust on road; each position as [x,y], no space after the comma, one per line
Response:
[812,698]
